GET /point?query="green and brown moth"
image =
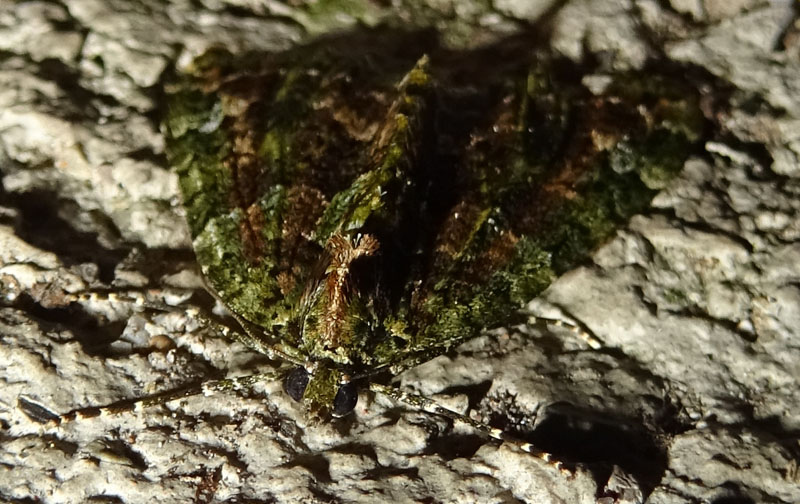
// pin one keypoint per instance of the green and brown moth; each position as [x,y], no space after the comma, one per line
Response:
[361,205]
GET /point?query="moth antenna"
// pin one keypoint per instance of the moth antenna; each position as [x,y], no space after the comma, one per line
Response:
[430,406]
[580,332]
[42,414]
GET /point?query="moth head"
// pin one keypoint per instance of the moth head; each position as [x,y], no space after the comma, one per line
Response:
[323,390]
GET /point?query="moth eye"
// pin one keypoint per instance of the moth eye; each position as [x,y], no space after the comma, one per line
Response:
[345,400]
[296,382]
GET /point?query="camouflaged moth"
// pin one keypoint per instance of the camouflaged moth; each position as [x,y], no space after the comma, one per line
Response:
[363,204]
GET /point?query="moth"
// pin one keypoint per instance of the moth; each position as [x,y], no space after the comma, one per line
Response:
[362,204]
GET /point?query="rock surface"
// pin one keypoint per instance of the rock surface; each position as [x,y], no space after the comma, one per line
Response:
[694,398]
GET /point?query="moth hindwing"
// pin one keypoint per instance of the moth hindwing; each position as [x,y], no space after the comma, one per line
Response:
[364,206]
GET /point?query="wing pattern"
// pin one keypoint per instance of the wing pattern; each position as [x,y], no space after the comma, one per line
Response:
[366,207]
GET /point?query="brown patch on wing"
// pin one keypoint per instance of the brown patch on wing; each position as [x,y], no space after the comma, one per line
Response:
[595,132]
[286,282]
[245,169]
[360,113]
[457,229]
[304,206]
[240,98]
[500,251]
[250,232]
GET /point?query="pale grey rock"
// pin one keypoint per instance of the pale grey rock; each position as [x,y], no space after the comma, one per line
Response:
[524,9]
[713,10]
[694,398]
[704,462]
[36,29]
[605,28]
[741,50]
[717,10]
[695,8]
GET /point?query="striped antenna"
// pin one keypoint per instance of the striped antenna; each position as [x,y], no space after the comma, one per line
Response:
[41,414]
[430,406]
[580,332]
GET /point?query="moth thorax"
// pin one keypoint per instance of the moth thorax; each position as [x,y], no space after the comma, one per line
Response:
[343,251]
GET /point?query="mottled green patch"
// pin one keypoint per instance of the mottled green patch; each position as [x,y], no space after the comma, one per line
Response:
[370,199]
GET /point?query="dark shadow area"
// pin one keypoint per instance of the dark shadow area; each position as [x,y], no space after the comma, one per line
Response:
[80,104]
[92,332]
[733,500]
[733,494]
[453,446]
[105,499]
[316,464]
[381,472]
[601,443]
[123,450]
[35,411]
[238,499]
[321,495]
[475,392]
[41,222]
[155,263]
[358,449]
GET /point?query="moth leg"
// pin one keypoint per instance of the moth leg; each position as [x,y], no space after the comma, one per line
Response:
[416,359]
[250,335]
[419,356]
[416,356]
[251,340]
[39,413]
[136,297]
[430,406]
[141,301]
[247,336]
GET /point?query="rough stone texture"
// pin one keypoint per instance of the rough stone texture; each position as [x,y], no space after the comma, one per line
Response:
[694,399]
